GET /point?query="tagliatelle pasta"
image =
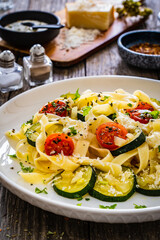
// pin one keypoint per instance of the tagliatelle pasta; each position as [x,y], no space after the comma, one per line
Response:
[138,148]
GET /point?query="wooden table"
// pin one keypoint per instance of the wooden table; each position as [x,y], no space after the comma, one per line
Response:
[22,221]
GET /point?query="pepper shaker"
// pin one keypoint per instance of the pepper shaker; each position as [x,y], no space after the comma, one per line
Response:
[11,73]
[37,66]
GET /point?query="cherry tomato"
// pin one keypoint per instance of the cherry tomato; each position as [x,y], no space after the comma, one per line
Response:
[144,105]
[141,112]
[59,143]
[106,132]
[56,107]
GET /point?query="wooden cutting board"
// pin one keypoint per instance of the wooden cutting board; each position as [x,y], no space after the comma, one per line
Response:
[65,58]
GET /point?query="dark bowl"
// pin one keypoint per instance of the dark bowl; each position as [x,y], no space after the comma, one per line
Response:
[28,39]
[146,61]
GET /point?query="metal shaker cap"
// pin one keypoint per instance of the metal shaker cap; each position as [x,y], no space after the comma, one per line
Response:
[7,59]
[37,53]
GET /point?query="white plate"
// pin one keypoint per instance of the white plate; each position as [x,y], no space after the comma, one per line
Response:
[21,108]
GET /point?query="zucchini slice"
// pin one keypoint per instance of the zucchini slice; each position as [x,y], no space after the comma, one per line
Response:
[146,186]
[136,142]
[110,189]
[75,184]
[80,117]
[32,133]
[148,192]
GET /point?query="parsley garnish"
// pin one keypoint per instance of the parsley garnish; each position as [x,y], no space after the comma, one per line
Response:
[139,206]
[159,148]
[26,169]
[155,114]
[13,156]
[76,95]
[73,131]
[108,207]
[30,121]
[129,104]
[79,204]
[37,190]
[104,98]
[53,104]
[86,110]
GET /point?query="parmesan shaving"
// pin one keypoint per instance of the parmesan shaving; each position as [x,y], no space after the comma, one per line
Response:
[74,37]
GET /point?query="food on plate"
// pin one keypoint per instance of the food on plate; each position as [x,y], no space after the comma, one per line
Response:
[106,144]
[146,48]
[89,14]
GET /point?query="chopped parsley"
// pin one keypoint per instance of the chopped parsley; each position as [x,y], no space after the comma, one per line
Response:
[108,207]
[155,114]
[130,105]
[86,110]
[53,104]
[30,121]
[105,98]
[26,169]
[76,95]
[13,156]
[79,204]
[139,206]
[73,131]
[159,148]
[44,190]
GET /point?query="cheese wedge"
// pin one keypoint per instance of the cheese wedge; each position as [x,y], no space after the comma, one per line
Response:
[89,14]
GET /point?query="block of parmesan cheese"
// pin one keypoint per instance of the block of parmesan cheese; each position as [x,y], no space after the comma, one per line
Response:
[90,14]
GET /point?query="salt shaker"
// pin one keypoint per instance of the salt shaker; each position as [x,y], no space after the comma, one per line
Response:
[11,73]
[37,66]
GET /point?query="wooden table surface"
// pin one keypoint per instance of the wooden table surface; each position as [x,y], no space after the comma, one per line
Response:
[21,221]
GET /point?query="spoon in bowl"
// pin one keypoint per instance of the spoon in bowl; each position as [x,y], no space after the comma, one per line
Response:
[49,26]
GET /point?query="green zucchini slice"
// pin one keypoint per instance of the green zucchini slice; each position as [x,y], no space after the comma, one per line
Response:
[32,133]
[75,184]
[80,117]
[114,189]
[136,142]
[146,184]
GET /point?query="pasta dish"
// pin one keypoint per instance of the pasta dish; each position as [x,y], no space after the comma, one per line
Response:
[106,144]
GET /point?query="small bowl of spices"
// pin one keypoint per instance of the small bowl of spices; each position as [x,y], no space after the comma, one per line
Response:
[140,48]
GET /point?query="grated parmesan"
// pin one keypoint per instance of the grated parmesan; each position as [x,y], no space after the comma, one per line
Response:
[74,37]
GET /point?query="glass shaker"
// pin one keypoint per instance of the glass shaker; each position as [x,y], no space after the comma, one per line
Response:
[37,66]
[11,73]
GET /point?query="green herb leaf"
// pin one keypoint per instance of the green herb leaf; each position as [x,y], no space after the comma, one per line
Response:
[77,95]
[73,131]
[26,169]
[86,110]
[105,98]
[159,148]
[139,206]
[129,104]
[30,121]
[53,104]
[37,190]
[108,207]
[79,204]
[13,156]
[155,114]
